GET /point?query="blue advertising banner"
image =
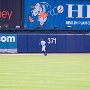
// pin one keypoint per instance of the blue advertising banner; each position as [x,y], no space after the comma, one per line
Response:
[63,14]
[8,43]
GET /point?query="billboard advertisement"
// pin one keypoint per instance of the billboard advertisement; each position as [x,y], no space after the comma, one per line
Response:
[8,43]
[60,14]
[10,13]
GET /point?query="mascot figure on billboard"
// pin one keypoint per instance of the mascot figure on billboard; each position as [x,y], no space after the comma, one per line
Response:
[42,10]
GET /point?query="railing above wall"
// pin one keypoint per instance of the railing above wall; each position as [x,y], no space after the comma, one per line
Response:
[41,31]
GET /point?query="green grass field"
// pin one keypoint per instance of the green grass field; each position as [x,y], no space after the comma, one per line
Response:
[38,72]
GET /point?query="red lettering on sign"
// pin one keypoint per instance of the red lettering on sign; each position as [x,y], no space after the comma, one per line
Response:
[6,14]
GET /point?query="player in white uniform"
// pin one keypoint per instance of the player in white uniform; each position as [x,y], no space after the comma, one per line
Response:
[43,44]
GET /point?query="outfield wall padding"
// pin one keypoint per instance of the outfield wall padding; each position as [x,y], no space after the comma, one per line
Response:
[56,43]
[61,43]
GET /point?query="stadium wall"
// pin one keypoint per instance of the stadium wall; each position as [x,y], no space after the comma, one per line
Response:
[65,26]
[56,43]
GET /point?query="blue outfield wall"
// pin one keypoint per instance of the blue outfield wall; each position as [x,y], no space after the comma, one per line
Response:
[56,43]
[61,43]
[22,43]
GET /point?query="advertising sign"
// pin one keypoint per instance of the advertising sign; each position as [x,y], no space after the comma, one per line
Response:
[10,13]
[61,14]
[8,43]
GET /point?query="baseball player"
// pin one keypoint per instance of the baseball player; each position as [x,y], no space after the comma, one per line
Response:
[43,44]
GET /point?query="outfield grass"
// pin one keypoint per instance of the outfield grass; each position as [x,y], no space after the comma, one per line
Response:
[38,72]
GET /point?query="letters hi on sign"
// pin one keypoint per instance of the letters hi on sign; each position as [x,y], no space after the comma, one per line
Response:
[79,11]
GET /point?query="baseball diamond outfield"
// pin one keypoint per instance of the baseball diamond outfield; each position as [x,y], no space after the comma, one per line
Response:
[39,72]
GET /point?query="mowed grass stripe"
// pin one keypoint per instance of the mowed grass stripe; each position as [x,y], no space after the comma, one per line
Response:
[36,72]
